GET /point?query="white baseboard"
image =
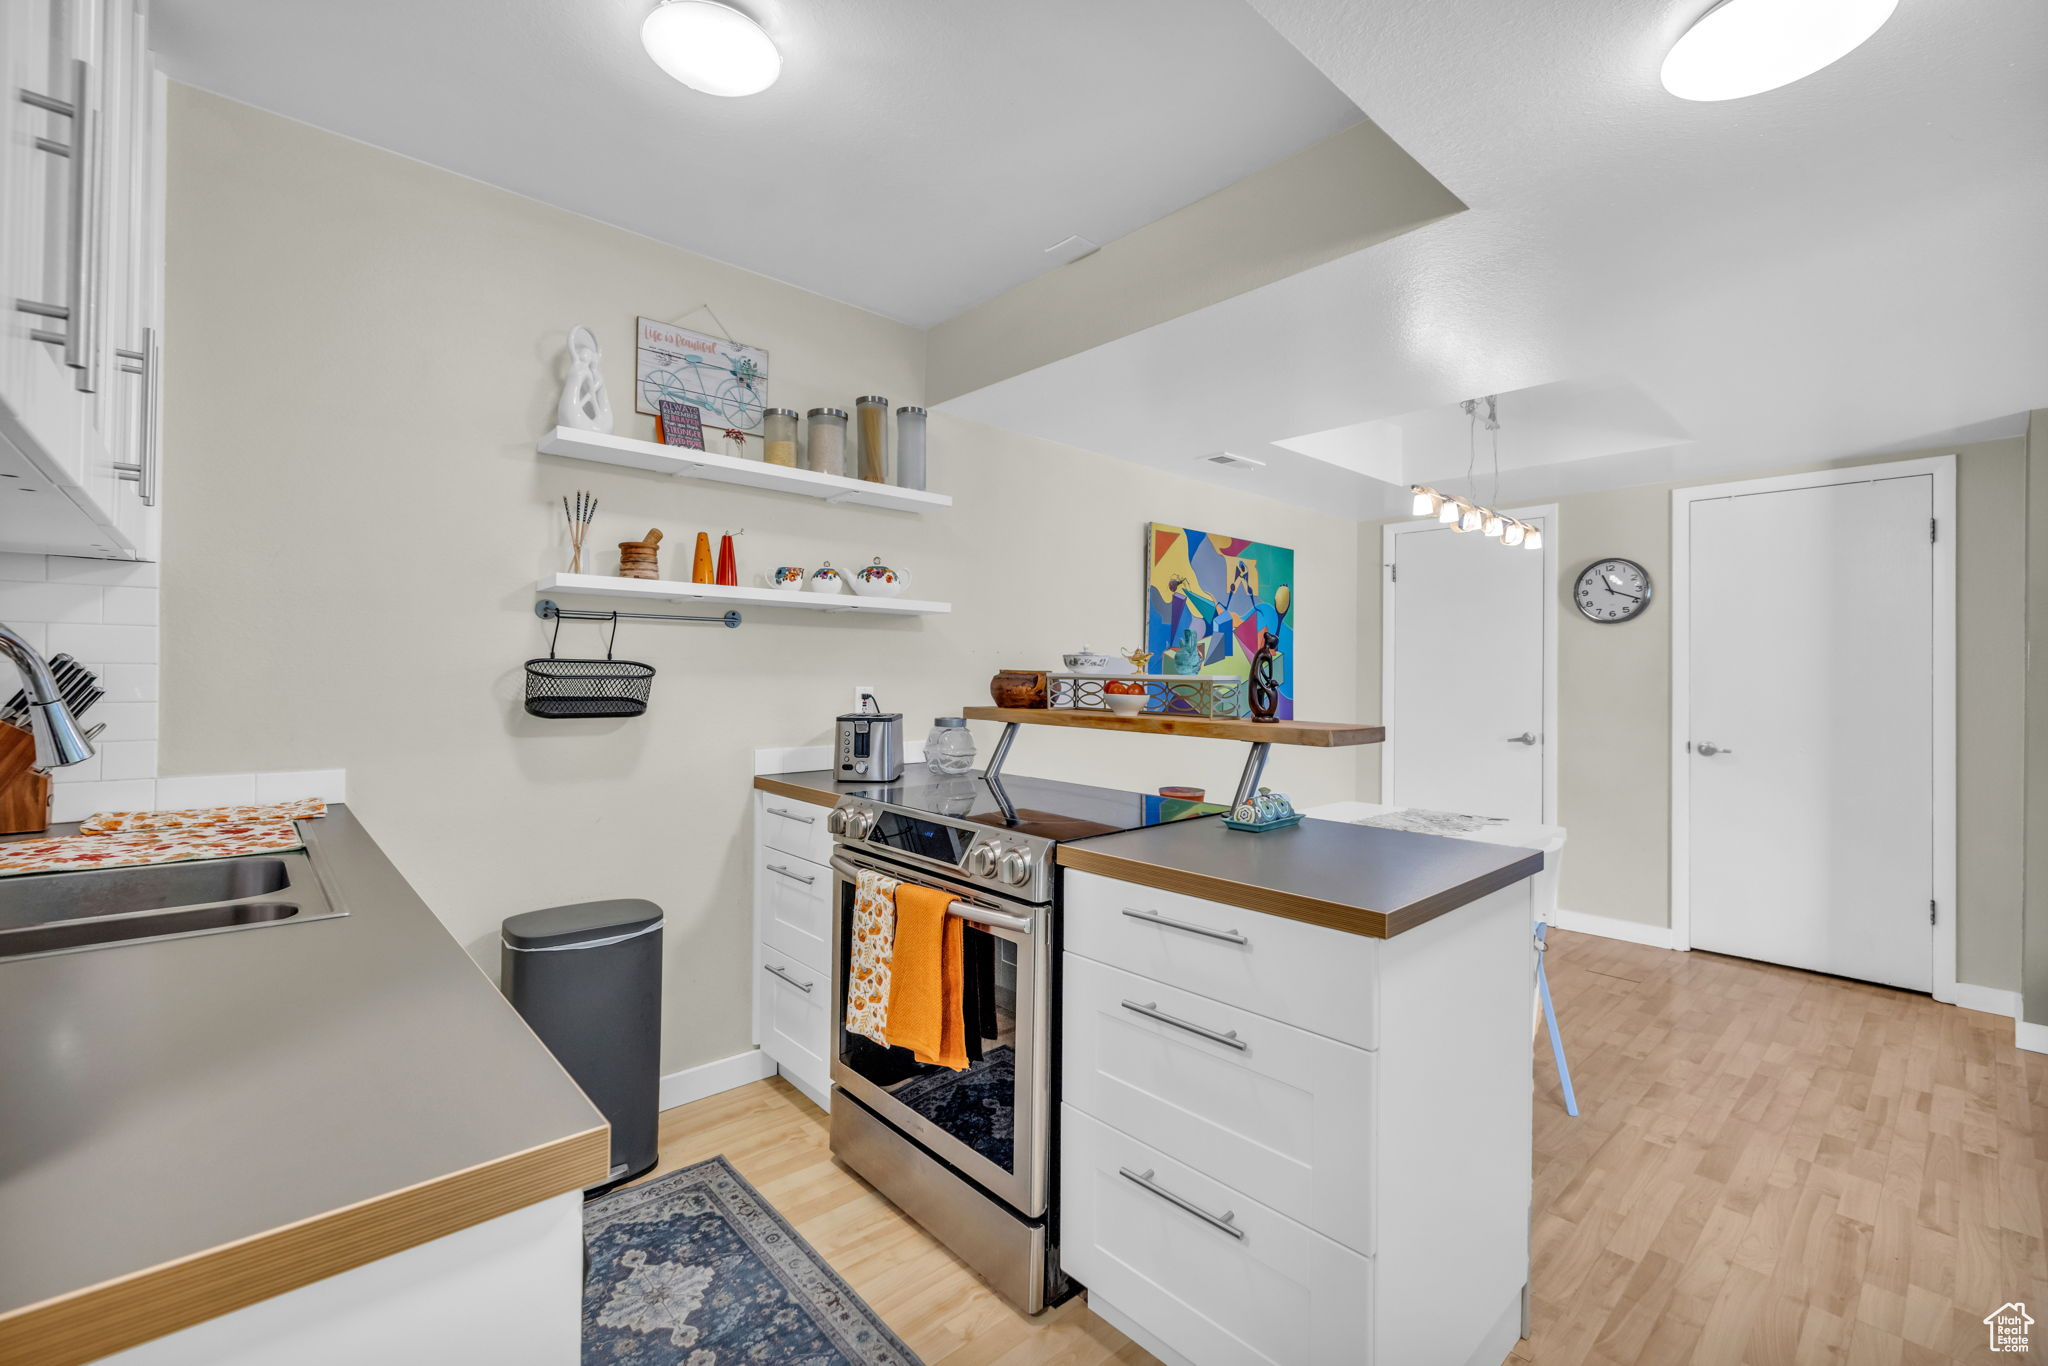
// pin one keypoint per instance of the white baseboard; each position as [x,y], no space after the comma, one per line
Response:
[2032,1037]
[1992,1000]
[1607,927]
[708,1079]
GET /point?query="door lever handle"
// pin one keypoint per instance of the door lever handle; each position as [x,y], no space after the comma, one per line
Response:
[1707,749]
[1527,737]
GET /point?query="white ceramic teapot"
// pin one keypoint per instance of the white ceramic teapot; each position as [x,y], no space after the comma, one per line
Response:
[878,580]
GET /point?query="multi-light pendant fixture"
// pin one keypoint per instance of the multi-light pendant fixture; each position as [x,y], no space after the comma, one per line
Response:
[1467,514]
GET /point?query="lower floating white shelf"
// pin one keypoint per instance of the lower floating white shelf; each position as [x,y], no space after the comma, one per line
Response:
[669,590]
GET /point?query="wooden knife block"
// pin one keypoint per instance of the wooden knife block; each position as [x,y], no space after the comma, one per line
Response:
[24,793]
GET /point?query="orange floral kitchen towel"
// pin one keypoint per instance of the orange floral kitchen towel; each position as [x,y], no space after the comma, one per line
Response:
[925,977]
[130,848]
[112,822]
[867,963]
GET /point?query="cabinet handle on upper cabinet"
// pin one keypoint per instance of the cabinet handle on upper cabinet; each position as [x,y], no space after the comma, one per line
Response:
[791,815]
[81,340]
[793,877]
[148,363]
[1151,1011]
[804,987]
[1220,1221]
[1154,918]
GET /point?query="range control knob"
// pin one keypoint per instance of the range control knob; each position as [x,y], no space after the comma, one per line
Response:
[981,860]
[859,822]
[1015,867]
[835,821]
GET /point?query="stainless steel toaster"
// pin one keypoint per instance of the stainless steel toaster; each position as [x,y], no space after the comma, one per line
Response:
[868,747]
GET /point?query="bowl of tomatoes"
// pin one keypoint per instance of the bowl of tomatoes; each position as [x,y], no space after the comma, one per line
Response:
[1124,697]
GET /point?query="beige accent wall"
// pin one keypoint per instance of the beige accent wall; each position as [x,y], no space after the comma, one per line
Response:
[1614,705]
[362,350]
[1344,194]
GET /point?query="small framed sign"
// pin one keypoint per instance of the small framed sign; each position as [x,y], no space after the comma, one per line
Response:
[681,424]
[724,380]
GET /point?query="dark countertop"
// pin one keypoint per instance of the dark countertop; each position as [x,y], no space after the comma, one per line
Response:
[1355,878]
[264,1107]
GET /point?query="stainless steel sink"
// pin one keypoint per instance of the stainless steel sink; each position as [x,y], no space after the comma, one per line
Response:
[45,913]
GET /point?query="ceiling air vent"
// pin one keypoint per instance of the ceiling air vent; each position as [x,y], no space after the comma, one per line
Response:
[1230,460]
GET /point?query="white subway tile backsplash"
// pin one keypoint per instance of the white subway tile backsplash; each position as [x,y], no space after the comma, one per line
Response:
[107,573]
[125,720]
[127,606]
[20,567]
[87,772]
[35,633]
[211,789]
[105,644]
[329,784]
[72,602]
[76,801]
[127,682]
[124,758]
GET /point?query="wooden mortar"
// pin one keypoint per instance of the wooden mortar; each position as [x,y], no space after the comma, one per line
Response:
[638,559]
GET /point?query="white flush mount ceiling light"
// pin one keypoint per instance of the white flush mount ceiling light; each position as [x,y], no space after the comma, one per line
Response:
[711,47]
[1745,47]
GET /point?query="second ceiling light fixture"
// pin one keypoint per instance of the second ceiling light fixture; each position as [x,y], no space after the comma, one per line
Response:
[1467,514]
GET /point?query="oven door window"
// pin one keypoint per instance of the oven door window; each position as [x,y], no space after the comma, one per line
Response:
[976,1107]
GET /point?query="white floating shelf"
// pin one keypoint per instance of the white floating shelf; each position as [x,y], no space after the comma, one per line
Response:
[725,469]
[668,590]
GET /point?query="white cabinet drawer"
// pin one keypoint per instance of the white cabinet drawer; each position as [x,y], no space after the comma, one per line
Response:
[795,827]
[1324,980]
[792,1009]
[795,897]
[1281,1114]
[1268,1292]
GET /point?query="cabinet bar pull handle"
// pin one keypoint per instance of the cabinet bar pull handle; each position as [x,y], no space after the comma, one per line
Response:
[793,877]
[78,339]
[804,987]
[791,815]
[38,100]
[1218,1221]
[1154,918]
[1151,1011]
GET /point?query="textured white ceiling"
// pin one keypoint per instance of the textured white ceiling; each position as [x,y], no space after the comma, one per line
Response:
[915,158]
[1850,264]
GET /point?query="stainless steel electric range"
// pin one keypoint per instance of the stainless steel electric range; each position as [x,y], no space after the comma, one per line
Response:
[969,1154]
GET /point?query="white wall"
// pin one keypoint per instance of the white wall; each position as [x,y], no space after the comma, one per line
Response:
[361,351]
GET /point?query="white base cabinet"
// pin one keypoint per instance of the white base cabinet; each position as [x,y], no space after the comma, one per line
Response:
[793,912]
[1336,1174]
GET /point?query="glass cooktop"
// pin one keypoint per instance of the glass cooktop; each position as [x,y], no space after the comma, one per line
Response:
[1030,806]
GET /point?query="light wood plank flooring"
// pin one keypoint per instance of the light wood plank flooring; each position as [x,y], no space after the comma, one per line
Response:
[1770,1167]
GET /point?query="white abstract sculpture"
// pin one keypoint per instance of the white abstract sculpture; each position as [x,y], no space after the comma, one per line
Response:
[585,405]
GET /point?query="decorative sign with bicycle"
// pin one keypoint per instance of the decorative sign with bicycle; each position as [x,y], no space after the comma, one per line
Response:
[726,381]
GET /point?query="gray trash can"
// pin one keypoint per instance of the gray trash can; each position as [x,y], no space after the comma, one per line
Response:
[587,979]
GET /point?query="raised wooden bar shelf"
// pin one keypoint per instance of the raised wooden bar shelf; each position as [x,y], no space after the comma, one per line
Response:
[1260,735]
[1322,734]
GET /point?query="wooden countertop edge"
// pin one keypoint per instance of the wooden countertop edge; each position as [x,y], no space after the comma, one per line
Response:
[1294,906]
[1316,734]
[93,1322]
[768,782]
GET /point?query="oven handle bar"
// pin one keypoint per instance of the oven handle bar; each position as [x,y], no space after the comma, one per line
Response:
[963,910]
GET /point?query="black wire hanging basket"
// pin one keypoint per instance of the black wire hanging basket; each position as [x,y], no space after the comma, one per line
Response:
[569,689]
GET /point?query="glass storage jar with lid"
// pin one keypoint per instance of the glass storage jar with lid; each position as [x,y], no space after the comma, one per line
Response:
[949,749]
[872,413]
[778,436]
[826,448]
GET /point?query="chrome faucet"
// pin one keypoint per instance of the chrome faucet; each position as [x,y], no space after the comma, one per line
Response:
[58,741]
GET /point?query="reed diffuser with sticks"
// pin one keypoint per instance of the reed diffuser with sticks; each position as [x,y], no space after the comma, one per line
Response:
[579,514]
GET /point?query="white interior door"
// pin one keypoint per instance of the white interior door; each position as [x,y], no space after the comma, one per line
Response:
[1466,682]
[1810,769]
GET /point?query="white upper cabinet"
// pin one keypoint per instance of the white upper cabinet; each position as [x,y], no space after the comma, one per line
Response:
[81,252]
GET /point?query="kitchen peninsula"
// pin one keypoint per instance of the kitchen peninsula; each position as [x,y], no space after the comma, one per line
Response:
[1294,1108]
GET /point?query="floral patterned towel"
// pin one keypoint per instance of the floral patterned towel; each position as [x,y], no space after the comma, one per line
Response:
[111,822]
[874,943]
[131,848]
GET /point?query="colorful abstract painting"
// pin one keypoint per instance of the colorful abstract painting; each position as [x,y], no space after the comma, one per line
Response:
[1207,598]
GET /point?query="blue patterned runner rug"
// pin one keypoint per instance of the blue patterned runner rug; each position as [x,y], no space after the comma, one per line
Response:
[694,1268]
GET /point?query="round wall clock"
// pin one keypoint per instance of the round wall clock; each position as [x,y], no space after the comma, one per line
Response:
[1613,590]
